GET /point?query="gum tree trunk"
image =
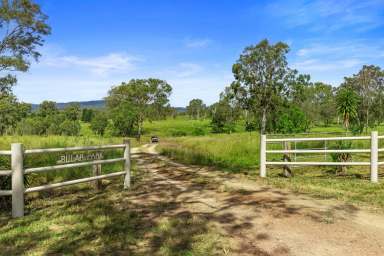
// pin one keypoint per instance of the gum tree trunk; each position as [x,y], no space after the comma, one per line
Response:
[263,120]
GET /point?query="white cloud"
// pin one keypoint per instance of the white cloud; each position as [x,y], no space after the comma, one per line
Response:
[311,65]
[100,65]
[197,43]
[329,15]
[365,50]
[331,61]
[62,88]
[318,49]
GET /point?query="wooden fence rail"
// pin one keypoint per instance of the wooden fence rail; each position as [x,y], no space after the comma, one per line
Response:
[373,150]
[18,171]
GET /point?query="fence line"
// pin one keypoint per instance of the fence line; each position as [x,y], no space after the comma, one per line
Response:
[18,171]
[71,182]
[65,166]
[53,150]
[373,150]
[319,151]
[5,153]
[319,139]
[5,172]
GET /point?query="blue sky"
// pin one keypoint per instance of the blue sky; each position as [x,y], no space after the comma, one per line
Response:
[192,44]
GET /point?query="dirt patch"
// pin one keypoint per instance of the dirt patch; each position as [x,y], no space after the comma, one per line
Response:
[260,220]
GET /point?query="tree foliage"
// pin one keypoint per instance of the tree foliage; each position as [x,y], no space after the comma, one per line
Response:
[99,122]
[11,112]
[261,76]
[264,84]
[139,99]
[72,112]
[318,103]
[368,84]
[347,102]
[87,115]
[196,108]
[24,26]
[292,120]
[49,120]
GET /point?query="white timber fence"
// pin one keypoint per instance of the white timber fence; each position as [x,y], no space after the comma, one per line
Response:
[17,172]
[373,151]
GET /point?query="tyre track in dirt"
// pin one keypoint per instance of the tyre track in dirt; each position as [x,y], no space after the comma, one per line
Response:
[260,220]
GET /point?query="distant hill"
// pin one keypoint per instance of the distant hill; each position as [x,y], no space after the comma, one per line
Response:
[95,104]
[83,104]
[180,109]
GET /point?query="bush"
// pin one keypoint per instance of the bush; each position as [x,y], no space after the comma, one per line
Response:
[292,120]
[342,157]
[87,115]
[30,126]
[178,133]
[251,125]
[125,119]
[72,112]
[70,128]
[198,131]
[223,117]
[99,123]
[54,129]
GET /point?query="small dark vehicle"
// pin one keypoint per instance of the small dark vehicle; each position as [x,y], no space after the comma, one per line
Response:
[154,139]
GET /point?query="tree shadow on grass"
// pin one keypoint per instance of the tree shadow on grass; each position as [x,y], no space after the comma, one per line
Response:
[156,217]
[136,222]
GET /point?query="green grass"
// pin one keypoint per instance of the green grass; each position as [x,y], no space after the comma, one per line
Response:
[80,221]
[181,126]
[353,188]
[175,127]
[239,152]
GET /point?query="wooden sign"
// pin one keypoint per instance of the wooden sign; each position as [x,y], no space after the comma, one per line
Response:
[81,157]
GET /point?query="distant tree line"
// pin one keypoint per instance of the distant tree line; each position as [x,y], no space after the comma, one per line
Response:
[271,97]
[266,94]
[128,105]
[23,28]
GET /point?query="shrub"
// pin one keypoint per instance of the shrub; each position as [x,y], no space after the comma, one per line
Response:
[87,115]
[54,128]
[342,157]
[70,128]
[99,123]
[292,120]
[178,133]
[198,131]
[223,117]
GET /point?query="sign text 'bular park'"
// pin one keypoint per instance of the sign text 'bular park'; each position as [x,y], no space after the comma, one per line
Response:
[81,157]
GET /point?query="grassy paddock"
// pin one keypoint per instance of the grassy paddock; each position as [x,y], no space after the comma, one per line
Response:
[240,152]
[182,126]
[354,187]
[237,151]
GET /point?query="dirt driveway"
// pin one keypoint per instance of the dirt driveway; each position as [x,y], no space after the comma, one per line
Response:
[258,220]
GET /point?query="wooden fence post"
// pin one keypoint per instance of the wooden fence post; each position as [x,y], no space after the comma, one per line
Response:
[127,164]
[374,156]
[263,148]
[287,158]
[17,163]
[96,171]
